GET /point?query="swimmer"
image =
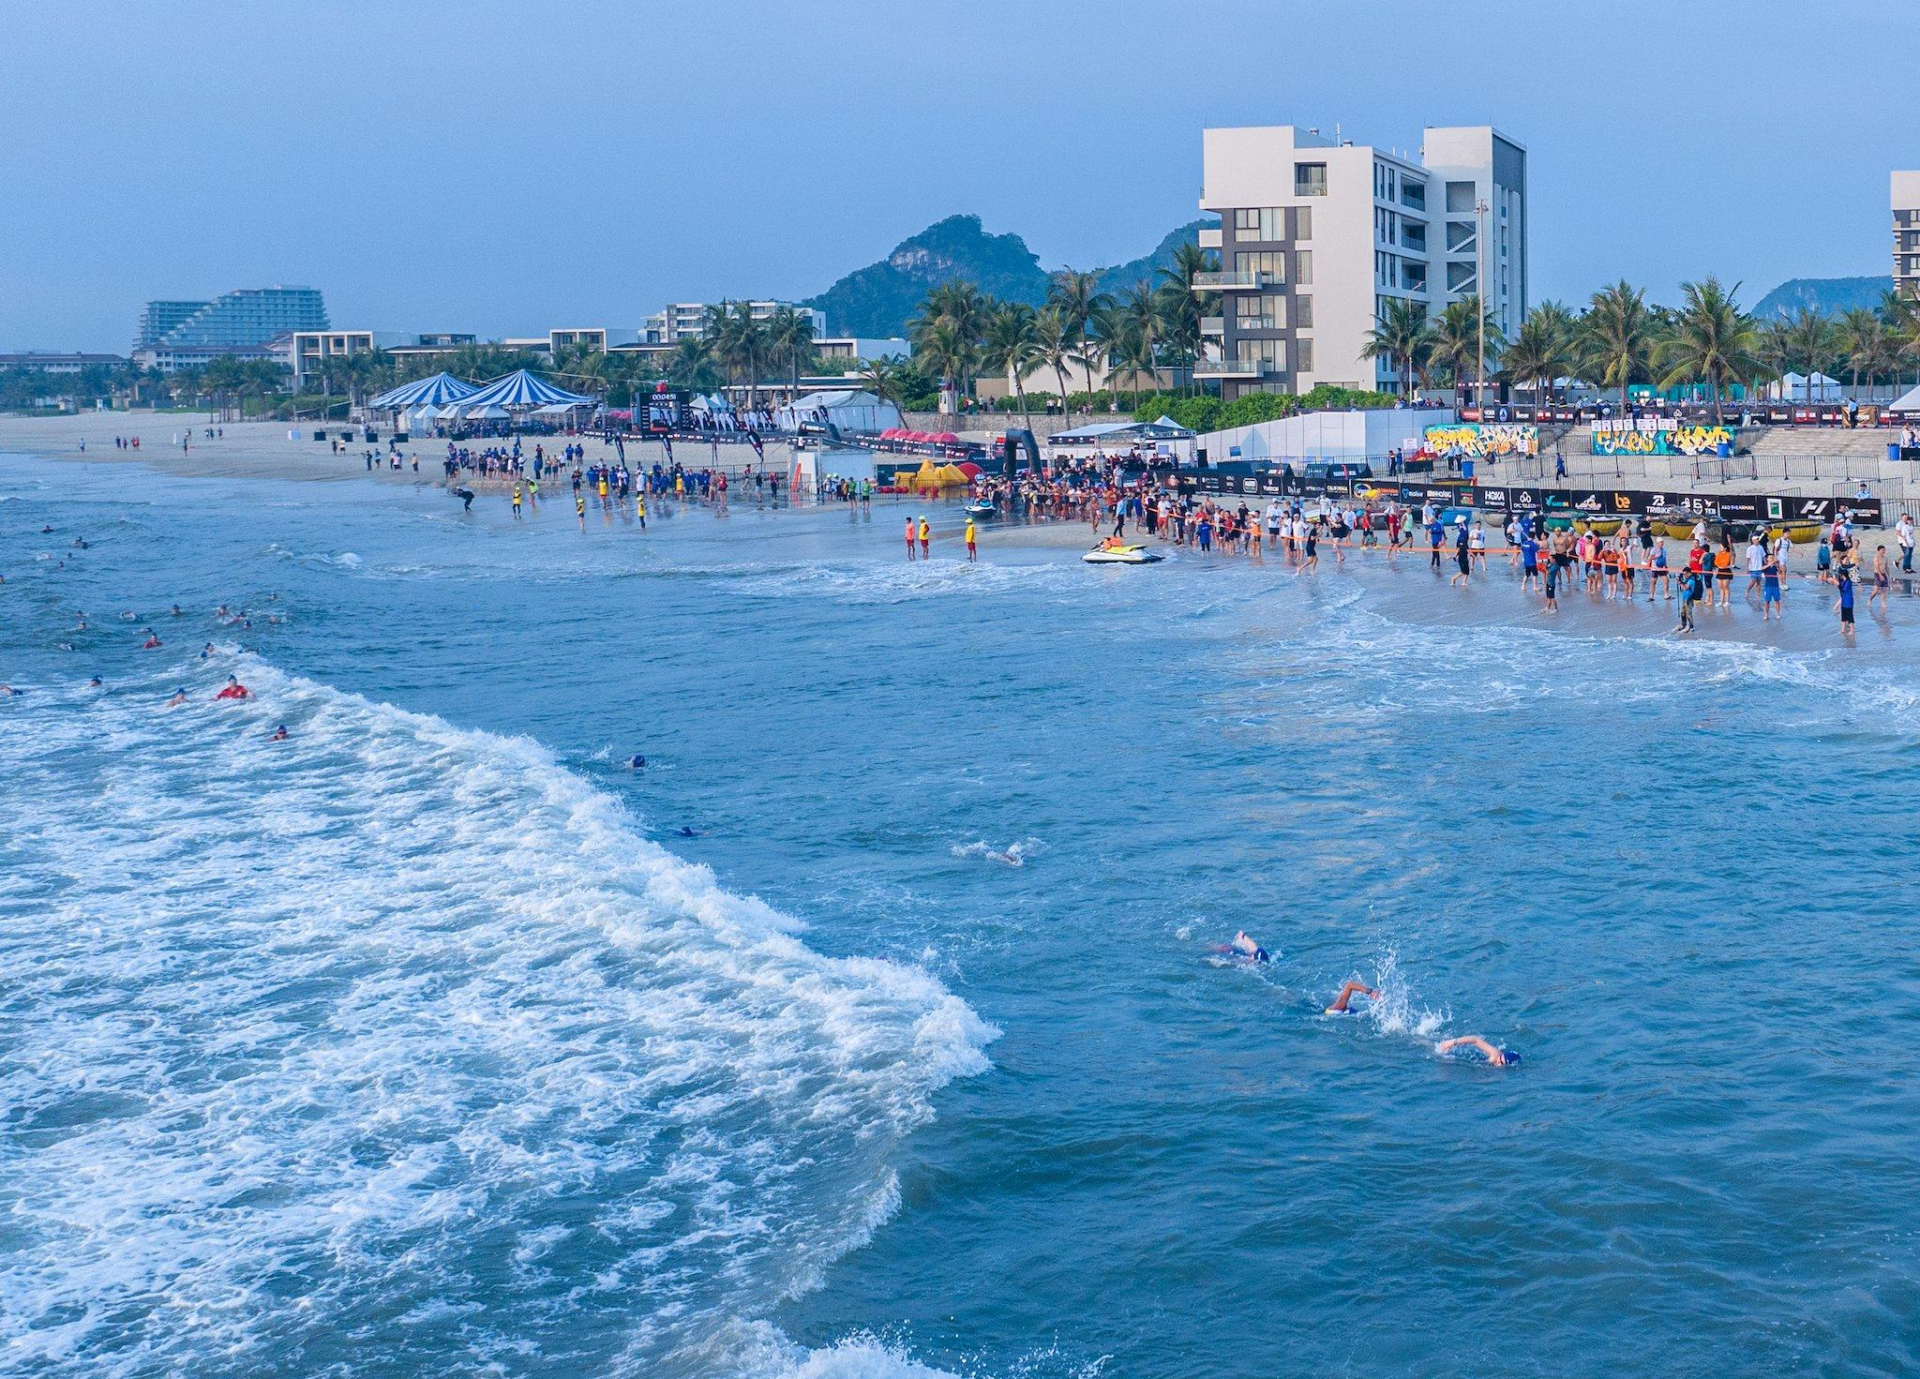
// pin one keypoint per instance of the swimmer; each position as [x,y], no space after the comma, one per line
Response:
[1245,947]
[46,531]
[1498,1058]
[176,610]
[151,642]
[8,691]
[128,615]
[1347,993]
[686,832]
[95,683]
[279,734]
[178,698]
[234,690]
[636,762]
[63,646]
[221,611]
[206,651]
[79,544]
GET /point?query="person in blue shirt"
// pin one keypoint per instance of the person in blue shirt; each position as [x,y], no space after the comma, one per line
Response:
[1844,604]
[1435,535]
[1770,587]
[1529,559]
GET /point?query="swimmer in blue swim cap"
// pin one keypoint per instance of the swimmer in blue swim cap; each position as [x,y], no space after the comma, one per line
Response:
[1499,1058]
[1243,946]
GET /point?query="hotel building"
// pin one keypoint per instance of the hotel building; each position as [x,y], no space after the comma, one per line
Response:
[236,325]
[688,320]
[1906,234]
[1317,235]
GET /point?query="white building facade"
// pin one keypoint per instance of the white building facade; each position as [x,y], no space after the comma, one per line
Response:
[1317,235]
[1906,234]
[688,320]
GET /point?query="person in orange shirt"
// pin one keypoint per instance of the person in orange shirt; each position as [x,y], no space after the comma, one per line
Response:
[910,531]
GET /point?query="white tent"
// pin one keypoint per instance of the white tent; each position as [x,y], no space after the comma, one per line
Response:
[845,409]
[487,414]
[1908,401]
[1797,387]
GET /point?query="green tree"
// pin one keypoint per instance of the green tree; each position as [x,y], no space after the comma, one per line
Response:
[1812,344]
[1009,347]
[790,336]
[1181,307]
[1457,339]
[1617,338]
[1402,337]
[885,378]
[693,365]
[1711,340]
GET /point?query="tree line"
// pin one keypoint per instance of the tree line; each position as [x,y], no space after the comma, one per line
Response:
[1620,340]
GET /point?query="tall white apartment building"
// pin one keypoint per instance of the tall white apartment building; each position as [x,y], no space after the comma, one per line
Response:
[1318,234]
[1906,234]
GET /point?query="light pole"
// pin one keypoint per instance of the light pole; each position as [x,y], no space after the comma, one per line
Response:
[1480,298]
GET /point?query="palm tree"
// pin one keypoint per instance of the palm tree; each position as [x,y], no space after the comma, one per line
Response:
[790,336]
[884,378]
[1811,343]
[1617,338]
[1009,347]
[1054,347]
[1712,340]
[941,348]
[694,365]
[1457,337]
[1400,337]
[1542,349]
[1181,308]
[1078,298]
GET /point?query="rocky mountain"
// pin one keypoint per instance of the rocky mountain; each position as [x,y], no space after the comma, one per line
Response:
[878,300]
[1828,296]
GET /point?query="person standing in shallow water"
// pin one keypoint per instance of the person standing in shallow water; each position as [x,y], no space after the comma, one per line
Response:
[911,529]
[926,539]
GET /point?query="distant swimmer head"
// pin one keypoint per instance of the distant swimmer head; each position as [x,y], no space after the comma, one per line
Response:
[686,832]
[95,682]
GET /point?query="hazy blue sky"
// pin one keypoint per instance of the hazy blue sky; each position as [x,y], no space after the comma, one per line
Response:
[510,167]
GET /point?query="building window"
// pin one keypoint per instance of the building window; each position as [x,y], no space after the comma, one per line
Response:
[1268,266]
[1413,235]
[1303,356]
[1413,276]
[1303,222]
[1303,312]
[1309,179]
[1461,277]
[1460,236]
[1303,267]
[1413,194]
[1259,311]
[1269,356]
[1459,197]
[1259,223]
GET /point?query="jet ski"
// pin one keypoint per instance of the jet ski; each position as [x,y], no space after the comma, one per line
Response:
[1111,552]
[979,507]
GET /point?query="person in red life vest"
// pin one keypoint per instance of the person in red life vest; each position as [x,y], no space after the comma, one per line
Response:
[234,690]
[151,642]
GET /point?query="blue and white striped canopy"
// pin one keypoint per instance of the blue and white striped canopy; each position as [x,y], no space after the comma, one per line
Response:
[520,390]
[437,391]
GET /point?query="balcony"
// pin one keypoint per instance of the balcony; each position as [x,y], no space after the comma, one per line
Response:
[1237,368]
[1235,282]
[1210,239]
[1212,325]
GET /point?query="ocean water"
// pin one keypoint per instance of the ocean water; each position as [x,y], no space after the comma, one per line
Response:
[427,1041]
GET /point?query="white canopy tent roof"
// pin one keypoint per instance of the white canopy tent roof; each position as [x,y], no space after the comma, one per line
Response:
[1908,401]
[846,409]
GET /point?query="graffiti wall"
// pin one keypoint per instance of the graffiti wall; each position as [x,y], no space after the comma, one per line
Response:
[1659,436]
[1484,440]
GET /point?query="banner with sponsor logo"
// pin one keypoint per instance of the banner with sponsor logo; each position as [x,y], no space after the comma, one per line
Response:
[1482,440]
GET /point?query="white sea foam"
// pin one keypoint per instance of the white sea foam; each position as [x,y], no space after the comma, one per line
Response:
[1014,854]
[397,1038]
